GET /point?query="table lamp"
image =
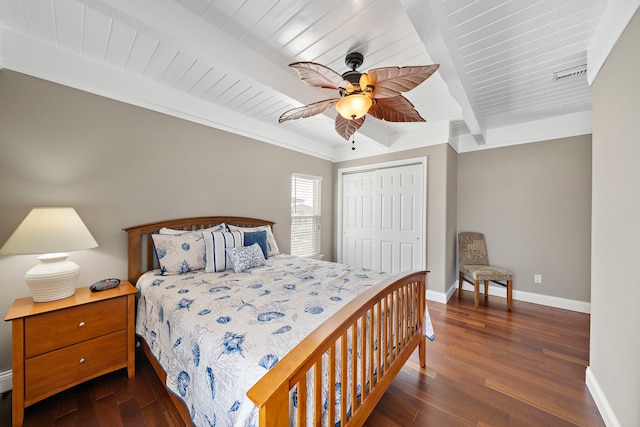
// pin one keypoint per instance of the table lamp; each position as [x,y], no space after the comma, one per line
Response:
[52,232]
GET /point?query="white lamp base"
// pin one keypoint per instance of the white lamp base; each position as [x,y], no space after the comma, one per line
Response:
[53,279]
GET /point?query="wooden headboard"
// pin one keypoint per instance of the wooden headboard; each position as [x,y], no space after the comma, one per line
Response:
[140,246]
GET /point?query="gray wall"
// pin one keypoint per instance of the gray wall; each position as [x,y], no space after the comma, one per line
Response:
[533,202]
[121,165]
[615,290]
[440,208]
[451,239]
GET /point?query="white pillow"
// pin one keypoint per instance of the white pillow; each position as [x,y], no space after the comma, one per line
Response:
[246,257]
[271,241]
[219,227]
[216,243]
[173,231]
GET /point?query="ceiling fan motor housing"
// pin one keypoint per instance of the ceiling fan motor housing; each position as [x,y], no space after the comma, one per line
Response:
[354,60]
[352,77]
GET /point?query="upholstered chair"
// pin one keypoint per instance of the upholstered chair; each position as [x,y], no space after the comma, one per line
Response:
[474,267]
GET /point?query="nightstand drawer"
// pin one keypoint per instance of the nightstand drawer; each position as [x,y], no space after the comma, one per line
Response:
[57,329]
[51,372]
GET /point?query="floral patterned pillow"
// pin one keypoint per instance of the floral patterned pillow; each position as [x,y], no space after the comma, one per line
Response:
[180,253]
[246,257]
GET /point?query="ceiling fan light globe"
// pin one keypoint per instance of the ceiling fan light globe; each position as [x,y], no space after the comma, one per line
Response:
[353,107]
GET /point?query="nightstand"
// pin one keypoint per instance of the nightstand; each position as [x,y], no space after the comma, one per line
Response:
[59,344]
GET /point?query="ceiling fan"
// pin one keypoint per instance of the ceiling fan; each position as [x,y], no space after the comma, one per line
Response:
[377,93]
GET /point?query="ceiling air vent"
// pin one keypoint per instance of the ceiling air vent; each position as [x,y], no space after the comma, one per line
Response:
[580,70]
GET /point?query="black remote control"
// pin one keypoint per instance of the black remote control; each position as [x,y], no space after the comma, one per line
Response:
[105,284]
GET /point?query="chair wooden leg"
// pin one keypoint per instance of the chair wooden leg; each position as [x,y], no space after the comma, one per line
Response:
[476,292]
[460,280]
[486,288]
[509,293]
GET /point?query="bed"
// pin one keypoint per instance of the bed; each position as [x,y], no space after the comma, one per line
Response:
[352,329]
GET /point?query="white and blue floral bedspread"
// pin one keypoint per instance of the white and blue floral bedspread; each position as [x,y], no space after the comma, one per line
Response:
[216,334]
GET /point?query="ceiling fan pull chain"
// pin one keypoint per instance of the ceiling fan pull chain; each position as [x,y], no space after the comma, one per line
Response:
[353,142]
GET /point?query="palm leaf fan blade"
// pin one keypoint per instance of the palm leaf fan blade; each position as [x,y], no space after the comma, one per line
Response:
[346,128]
[396,109]
[318,75]
[391,81]
[307,110]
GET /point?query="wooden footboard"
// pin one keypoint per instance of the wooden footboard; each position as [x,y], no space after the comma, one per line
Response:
[382,327]
[383,348]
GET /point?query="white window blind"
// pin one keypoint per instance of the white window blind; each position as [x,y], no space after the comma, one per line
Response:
[305,215]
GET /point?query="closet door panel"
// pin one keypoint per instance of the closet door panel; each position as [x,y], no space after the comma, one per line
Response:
[382,218]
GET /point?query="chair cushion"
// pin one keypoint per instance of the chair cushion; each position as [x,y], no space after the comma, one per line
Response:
[486,272]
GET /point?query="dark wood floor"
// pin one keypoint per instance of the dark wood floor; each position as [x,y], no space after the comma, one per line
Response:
[487,367]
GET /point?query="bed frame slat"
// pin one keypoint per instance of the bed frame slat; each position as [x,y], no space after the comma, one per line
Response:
[317,390]
[331,413]
[363,358]
[354,364]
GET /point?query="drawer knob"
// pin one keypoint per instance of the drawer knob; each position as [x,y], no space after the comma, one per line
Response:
[82,360]
[81,324]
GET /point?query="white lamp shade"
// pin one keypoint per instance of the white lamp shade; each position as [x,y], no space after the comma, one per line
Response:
[47,230]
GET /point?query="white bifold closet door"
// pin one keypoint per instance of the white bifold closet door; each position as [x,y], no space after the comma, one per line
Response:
[382,219]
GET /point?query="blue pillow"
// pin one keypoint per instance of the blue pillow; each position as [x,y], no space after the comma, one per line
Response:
[259,237]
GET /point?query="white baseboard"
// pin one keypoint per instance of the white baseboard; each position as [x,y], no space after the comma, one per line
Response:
[606,412]
[437,296]
[5,381]
[551,301]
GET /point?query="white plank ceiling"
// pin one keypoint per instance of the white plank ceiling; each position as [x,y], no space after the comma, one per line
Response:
[224,63]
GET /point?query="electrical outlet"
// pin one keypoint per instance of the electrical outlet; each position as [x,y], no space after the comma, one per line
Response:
[537,278]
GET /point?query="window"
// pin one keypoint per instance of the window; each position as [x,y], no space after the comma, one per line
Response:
[305,215]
